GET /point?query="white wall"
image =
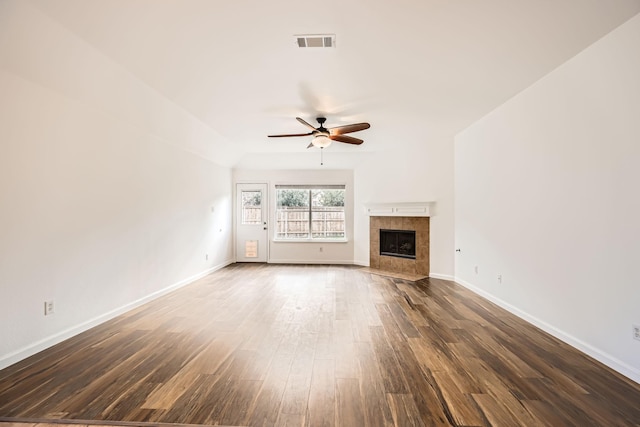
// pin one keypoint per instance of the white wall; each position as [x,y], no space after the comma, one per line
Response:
[547,196]
[305,252]
[105,190]
[420,171]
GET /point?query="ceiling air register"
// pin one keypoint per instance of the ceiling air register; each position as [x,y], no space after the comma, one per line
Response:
[315,40]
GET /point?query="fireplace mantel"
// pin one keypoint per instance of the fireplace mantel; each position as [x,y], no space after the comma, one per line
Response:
[400,209]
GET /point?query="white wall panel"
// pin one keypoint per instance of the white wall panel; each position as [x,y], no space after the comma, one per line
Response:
[546,196]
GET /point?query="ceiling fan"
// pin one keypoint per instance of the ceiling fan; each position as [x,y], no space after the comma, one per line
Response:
[322,137]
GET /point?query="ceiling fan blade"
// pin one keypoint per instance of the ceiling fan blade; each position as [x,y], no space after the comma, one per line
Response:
[305,123]
[290,134]
[340,130]
[347,139]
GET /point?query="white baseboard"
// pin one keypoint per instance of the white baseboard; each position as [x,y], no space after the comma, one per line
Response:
[310,261]
[52,340]
[605,358]
[441,276]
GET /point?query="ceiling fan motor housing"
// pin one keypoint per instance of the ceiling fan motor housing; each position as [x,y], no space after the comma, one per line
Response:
[322,129]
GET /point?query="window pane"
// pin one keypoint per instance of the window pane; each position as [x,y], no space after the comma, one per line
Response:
[292,213]
[328,213]
[251,207]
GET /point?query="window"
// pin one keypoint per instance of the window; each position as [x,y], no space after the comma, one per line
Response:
[251,207]
[310,212]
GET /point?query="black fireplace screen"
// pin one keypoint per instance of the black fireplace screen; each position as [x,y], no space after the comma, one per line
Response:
[400,243]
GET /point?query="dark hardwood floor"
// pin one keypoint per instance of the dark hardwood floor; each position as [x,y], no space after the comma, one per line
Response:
[272,345]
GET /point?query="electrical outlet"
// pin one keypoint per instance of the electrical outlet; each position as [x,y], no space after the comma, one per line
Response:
[475,269]
[206,257]
[499,278]
[636,332]
[48,308]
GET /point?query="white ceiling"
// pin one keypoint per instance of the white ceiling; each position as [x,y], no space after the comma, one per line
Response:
[412,68]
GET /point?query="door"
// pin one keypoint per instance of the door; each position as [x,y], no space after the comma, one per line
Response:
[252,221]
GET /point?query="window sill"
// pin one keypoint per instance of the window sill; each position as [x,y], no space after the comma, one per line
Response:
[310,240]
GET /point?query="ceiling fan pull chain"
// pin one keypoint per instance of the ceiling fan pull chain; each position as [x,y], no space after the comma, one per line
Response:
[321,157]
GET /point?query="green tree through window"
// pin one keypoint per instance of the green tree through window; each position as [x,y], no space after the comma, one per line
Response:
[293,198]
[329,197]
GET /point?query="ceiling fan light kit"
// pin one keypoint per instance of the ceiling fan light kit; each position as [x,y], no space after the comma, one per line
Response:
[321,141]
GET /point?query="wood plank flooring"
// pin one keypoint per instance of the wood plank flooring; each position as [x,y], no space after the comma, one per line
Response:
[280,345]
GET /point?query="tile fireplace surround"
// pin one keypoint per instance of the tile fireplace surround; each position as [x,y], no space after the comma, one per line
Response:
[418,266]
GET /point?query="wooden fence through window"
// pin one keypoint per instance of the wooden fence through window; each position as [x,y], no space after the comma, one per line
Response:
[293,222]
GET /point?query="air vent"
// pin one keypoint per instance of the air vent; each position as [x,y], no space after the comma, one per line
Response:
[316,40]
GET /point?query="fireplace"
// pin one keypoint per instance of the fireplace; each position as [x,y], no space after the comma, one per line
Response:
[398,243]
[410,254]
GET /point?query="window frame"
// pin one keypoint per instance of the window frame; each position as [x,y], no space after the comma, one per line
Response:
[309,238]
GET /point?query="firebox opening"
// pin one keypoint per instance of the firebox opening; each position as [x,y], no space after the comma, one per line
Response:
[398,243]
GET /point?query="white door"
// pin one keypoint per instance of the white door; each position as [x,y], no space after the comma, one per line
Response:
[251,223]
